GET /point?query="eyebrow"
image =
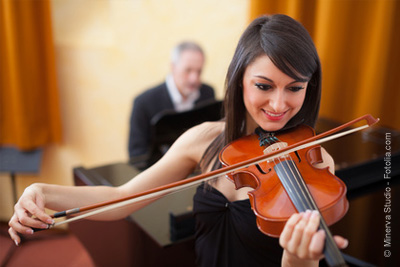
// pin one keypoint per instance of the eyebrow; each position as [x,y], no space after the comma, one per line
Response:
[295,81]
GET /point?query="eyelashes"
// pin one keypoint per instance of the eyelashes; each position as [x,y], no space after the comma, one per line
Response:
[296,88]
[265,87]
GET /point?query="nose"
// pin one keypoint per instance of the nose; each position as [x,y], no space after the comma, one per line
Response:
[278,101]
[194,77]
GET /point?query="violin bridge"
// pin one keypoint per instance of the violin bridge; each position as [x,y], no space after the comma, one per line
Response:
[275,147]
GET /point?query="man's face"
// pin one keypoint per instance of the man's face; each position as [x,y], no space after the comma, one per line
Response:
[187,71]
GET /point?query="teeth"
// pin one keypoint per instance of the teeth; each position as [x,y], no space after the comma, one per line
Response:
[275,115]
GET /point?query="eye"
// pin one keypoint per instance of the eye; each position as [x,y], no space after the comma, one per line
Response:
[263,86]
[296,88]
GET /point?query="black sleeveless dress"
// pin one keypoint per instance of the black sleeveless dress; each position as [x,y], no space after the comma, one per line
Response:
[227,233]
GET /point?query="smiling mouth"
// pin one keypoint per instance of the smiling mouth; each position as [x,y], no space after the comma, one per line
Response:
[274,116]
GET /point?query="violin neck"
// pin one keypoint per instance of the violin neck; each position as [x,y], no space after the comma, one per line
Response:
[301,198]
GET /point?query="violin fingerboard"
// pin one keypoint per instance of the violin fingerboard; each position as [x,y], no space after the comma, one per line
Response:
[302,199]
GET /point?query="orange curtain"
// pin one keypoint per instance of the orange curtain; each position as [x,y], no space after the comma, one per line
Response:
[359,47]
[29,104]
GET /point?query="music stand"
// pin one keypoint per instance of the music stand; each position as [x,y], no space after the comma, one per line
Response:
[168,125]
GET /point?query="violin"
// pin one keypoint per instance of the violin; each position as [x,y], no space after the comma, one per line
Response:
[283,177]
[288,184]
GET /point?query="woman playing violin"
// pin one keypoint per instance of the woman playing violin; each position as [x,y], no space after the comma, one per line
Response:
[273,82]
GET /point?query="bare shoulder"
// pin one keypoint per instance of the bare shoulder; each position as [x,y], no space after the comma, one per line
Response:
[207,130]
[196,140]
[180,160]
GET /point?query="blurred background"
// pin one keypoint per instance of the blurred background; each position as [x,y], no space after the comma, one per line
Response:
[74,67]
[70,69]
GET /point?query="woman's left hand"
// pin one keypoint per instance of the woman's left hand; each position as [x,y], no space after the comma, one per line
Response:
[301,240]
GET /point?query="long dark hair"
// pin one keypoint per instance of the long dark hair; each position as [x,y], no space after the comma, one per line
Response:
[290,47]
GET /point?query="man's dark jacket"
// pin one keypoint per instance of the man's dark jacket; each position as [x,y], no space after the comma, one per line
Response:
[145,107]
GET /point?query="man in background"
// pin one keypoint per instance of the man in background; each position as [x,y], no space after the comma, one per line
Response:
[181,91]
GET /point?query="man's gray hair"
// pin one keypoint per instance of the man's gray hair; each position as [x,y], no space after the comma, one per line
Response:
[187,45]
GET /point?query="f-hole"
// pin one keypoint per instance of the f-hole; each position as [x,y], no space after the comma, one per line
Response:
[298,156]
[261,170]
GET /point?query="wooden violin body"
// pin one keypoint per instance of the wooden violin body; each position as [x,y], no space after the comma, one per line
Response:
[269,199]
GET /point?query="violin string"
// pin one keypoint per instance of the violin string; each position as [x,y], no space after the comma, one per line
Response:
[300,199]
[304,189]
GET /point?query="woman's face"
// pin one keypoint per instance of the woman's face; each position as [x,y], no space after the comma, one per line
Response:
[271,97]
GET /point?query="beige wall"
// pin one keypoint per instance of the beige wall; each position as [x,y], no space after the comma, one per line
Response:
[108,52]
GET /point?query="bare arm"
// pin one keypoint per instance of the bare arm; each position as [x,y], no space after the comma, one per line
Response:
[177,164]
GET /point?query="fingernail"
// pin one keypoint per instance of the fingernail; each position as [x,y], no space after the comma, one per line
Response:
[16,243]
[29,231]
[43,225]
[346,243]
[50,221]
[314,213]
[307,214]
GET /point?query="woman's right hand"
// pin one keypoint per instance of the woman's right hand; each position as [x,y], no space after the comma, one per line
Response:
[29,213]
